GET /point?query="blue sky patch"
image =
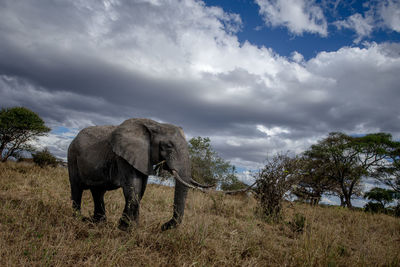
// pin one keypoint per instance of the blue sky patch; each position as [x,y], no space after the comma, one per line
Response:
[282,41]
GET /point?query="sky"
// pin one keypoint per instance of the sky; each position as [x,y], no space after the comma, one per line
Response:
[257,77]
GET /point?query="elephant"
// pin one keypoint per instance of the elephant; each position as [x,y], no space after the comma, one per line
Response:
[103,158]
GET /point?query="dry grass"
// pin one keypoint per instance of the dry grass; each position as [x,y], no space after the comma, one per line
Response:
[37,228]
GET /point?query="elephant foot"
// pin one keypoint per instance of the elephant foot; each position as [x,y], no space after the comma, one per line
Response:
[169,225]
[125,223]
[99,218]
[95,219]
[77,214]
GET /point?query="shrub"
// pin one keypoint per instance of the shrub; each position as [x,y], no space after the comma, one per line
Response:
[45,158]
[374,207]
[298,223]
[397,210]
[272,183]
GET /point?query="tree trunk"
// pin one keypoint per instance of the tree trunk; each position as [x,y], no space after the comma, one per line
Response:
[1,151]
[349,194]
[347,199]
[342,203]
[6,156]
[346,194]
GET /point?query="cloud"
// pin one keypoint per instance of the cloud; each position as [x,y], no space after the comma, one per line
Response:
[247,177]
[379,15]
[389,12]
[56,143]
[311,16]
[355,95]
[298,16]
[74,110]
[330,200]
[93,63]
[271,131]
[363,26]
[297,57]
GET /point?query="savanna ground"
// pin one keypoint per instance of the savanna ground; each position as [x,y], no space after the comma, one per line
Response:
[37,228]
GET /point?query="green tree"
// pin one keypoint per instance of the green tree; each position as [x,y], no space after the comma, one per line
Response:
[346,159]
[313,181]
[208,167]
[18,126]
[381,195]
[390,172]
[379,198]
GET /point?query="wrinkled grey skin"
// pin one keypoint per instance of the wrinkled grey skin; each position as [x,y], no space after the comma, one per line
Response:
[103,158]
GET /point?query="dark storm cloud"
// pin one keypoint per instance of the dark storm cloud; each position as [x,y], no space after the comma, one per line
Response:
[79,63]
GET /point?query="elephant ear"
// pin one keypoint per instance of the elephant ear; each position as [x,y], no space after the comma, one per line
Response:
[131,141]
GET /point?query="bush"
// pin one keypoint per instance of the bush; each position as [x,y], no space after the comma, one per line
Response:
[45,158]
[397,210]
[298,223]
[272,183]
[374,207]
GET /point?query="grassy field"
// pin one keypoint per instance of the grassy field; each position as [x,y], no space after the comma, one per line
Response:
[37,228]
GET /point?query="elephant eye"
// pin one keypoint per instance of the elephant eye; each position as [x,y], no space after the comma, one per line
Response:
[167,145]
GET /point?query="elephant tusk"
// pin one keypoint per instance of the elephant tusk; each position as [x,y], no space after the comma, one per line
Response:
[177,177]
[196,185]
[200,185]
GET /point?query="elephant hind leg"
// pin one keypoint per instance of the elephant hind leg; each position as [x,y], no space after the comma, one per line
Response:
[99,213]
[76,188]
[76,196]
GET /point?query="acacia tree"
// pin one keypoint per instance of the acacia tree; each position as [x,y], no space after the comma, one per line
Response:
[313,181]
[390,172]
[381,195]
[345,159]
[390,175]
[208,167]
[18,126]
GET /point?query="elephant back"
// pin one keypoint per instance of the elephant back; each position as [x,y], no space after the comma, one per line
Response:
[90,153]
[92,135]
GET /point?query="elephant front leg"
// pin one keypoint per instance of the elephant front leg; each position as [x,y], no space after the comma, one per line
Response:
[132,193]
[99,213]
[179,207]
